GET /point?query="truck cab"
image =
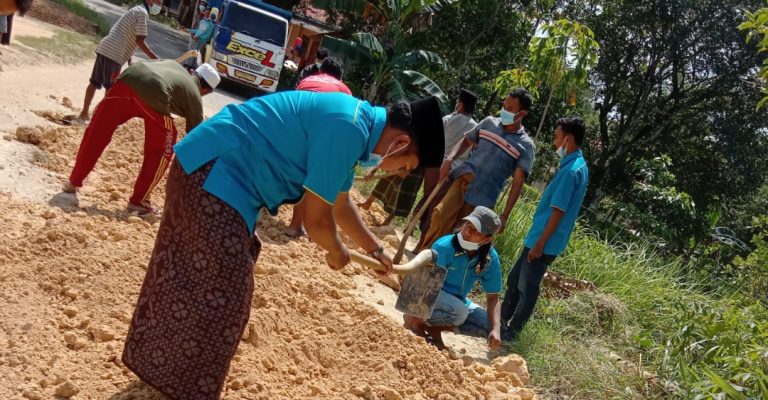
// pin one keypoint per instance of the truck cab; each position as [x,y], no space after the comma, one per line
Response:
[249,43]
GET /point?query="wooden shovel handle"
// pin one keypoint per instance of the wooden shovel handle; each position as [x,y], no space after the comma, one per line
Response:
[420,260]
[414,219]
[375,177]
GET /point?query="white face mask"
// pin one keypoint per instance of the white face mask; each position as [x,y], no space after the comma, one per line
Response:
[318,64]
[467,245]
[507,117]
[561,150]
[155,9]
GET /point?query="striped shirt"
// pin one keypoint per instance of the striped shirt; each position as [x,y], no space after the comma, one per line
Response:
[120,44]
[497,155]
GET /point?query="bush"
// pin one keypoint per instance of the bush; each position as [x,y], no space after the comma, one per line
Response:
[676,336]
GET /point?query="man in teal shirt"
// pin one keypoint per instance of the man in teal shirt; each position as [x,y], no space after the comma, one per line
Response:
[553,223]
[468,257]
[266,152]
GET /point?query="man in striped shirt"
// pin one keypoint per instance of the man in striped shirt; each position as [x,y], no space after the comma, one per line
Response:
[116,49]
[152,91]
[503,150]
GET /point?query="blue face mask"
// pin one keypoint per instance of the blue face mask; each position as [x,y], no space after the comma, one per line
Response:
[374,160]
[507,118]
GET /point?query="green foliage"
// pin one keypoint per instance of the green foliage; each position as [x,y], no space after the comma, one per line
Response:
[478,39]
[753,270]
[389,77]
[757,25]
[650,331]
[383,65]
[559,59]
[517,77]
[563,55]
[672,79]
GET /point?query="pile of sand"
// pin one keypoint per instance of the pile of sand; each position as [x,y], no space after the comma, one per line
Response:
[70,277]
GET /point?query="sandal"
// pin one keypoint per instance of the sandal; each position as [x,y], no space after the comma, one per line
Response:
[70,188]
[437,343]
[295,233]
[144,209]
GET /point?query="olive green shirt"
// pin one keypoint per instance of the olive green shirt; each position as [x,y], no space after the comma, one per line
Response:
[166,87]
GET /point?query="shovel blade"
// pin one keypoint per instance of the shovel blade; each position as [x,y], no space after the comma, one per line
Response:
[419,290]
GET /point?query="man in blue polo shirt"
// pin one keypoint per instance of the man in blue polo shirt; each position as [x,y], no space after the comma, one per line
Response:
[553,223]
[269,151]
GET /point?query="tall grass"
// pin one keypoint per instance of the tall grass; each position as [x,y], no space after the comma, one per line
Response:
[650,331]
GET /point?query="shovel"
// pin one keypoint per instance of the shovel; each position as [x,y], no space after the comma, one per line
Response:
[421,285]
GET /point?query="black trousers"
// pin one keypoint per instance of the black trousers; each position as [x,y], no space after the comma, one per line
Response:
[523,289]
[5,38]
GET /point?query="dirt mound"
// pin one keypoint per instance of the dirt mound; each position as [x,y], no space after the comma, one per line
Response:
[71,276]
[56,14]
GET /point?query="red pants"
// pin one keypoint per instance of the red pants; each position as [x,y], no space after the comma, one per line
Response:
[119,105]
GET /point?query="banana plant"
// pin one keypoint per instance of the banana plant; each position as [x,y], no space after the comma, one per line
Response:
[391,74]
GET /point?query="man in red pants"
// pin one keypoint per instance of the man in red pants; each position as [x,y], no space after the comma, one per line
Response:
[151,91]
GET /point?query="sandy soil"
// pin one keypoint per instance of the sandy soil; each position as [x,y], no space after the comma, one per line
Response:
[71,273]
[71,269]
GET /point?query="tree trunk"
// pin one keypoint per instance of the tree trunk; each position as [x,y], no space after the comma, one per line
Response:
[491,102]
[544,115]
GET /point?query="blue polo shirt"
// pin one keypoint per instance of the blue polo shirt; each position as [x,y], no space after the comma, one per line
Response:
[462,273]
[269,149]
[565,192]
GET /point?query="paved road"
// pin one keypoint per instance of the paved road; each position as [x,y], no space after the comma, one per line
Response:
[170,43]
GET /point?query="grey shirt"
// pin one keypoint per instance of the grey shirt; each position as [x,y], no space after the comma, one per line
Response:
[494,160]
[455,126]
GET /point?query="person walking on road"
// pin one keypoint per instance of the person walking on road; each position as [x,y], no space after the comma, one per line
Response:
[117,48]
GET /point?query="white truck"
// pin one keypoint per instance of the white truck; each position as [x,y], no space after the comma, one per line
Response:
[249,43]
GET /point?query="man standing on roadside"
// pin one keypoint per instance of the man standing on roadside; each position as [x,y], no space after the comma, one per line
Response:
[553,223]
[116,49]
[503,150]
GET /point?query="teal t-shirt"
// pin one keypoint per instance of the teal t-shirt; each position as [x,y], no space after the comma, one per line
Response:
[269,149]
[462,270]
[565,192]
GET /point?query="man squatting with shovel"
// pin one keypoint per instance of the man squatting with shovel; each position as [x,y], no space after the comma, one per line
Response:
[469,257]
[272,150]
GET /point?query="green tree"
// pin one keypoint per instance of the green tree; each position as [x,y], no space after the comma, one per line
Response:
[674,79]
[560,59]
[757,25]
[478,39]
[388,63]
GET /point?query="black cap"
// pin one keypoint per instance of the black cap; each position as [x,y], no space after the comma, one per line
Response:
[468,98]
[428,131]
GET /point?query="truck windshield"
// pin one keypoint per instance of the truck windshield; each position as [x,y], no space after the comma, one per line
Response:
[248,21]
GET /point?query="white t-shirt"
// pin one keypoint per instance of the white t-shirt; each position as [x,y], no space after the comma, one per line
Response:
[120,44]
[455,125]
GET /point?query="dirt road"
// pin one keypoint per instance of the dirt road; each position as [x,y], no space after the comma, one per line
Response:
[71,271]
